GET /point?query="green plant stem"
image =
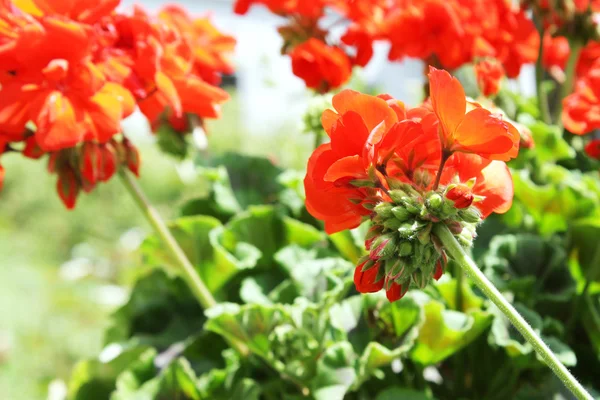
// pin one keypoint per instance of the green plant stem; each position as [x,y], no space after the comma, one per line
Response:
[459,255]
[318,135]
[195,283]
[459,285]
[539,80]
[567,86]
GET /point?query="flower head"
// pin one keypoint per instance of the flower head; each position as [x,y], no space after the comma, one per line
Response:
[385,164]
[489,74]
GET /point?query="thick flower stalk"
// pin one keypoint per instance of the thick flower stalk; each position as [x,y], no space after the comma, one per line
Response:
[92,66]
[406,170]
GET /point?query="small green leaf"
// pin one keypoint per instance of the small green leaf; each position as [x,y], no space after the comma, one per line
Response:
[445,332]
[403,394]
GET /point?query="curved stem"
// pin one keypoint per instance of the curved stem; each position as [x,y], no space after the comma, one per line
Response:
[539,79]
[195,283]
[459,255]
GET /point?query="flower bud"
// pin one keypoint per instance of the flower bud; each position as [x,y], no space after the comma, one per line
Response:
[411,205]
[397,195]
[461,195]
[424,234]
[406,230]
[405,249]
[396,291]
[401,213]
[439,271]
[384,210]
[434,201]
[471,215]
[392,224]
[420,279]
[366,281]
[383,247]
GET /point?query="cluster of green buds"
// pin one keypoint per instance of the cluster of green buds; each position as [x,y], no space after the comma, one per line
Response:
[402,248]
[311,120]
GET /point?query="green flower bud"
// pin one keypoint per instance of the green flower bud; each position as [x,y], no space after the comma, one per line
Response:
[392,224]
[406,230]
[405,249]
[420,279]
[434,201]
[424,234]
[470,215]
[411,205]
[383,247]
[401,213]
[397,195]
[384,210]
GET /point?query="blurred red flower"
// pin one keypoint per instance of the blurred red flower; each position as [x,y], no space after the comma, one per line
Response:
[322,67]
[489,74]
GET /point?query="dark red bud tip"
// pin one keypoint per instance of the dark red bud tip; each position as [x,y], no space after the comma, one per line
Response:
[395,292]
[365,280]
[460,195]
[68,188]
[439,271]
[592,149]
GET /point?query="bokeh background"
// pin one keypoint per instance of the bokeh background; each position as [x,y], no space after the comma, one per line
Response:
[63,272]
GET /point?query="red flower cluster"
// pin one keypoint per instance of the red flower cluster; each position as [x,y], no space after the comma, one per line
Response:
[449,146]
[445,33]
[581,109]
[70,72]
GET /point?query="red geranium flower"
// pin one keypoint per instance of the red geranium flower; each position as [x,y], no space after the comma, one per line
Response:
[322,67]
[477,131]
[581,109]
[489,74]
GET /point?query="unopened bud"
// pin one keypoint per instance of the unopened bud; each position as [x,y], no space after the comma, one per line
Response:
[419,278]
[401,213]
[411,205]
[384,210]
[424,234]
[392,224]
[471,215]
[405,249]
[406,230]
[397,195]
[460,195]
[434,201]
[383,247]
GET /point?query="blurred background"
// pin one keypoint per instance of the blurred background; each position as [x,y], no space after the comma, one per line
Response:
[63,272]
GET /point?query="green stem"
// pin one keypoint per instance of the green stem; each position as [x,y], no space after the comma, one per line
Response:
[567,86]
[459,285]
[459,255]
[539,79]
[195,283]
[318,135]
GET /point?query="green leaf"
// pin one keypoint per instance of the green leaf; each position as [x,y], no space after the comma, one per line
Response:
[253,179]
[197,237]
[335,372]
[584,238]
[314,277]
[251,324]
[470,301]
[401,393]
[444,332]
[96,379]
[535,269]
[160,310]
[565,195]
[346,244]
[550,145]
